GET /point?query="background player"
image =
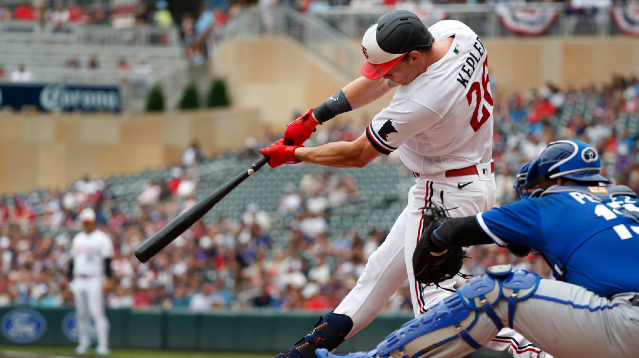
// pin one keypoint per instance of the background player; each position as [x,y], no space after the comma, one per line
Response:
[91,253]
[588,233]
[440,120]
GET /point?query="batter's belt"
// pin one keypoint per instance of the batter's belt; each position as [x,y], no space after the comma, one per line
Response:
[469,170]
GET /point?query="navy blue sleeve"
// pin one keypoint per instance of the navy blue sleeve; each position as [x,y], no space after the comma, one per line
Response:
[515,224]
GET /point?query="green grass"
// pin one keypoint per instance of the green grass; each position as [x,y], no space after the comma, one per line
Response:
[138,353]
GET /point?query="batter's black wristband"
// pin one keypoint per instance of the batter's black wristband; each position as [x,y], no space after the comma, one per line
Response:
[336,104]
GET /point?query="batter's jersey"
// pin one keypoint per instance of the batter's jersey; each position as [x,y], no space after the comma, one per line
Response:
[443,119]
[607,263]
[89,251]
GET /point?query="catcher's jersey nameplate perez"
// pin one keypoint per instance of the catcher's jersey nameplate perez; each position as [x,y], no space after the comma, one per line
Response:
[443,119]
[89,251]
[541,223]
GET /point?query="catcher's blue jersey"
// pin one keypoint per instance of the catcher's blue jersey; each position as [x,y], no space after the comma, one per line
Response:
[607,263]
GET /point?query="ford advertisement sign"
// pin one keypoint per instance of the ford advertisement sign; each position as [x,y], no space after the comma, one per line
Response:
[23,325]
[60,97]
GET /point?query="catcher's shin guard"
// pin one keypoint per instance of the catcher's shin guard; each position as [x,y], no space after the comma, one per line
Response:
[329,332]
[458,313]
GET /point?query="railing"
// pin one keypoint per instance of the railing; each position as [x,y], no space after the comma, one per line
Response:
[353,21]
[30,32]
[323,40]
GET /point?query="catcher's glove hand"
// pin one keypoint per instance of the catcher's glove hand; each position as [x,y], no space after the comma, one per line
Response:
[431,269]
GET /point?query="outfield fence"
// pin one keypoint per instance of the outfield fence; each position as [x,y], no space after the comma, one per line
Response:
[227,331]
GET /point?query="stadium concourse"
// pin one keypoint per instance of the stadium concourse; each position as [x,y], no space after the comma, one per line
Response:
[290,238]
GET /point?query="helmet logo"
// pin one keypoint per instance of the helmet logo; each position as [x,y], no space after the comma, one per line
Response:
[365,52]
[589,155]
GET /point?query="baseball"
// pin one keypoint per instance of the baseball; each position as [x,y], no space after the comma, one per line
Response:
[251,171]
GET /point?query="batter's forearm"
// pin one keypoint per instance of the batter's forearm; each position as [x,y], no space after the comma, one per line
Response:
[337,155]
[363,91]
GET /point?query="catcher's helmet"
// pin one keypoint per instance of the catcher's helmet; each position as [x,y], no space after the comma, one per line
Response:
[571,159]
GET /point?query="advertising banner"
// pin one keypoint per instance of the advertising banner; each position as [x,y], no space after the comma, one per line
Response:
[60,97]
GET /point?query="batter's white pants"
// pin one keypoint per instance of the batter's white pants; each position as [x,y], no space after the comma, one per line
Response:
[391,264]
[564,320]
[87,294]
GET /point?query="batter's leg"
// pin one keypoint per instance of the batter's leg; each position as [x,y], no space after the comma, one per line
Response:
[423,296]
[96,309]
[383,275]
[83,323]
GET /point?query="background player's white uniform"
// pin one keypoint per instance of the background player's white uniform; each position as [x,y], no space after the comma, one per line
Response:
[88,252]
[442,125]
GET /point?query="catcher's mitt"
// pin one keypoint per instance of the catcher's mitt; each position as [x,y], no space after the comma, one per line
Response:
[431,269]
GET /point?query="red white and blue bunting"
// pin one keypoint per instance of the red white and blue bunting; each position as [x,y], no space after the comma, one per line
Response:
[627,19]
[529,22]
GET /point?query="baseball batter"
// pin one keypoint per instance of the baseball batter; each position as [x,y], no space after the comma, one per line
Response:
[91,253]
[589,235]
[440,120]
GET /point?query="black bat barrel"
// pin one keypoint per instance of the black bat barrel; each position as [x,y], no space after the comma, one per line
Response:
[161,239]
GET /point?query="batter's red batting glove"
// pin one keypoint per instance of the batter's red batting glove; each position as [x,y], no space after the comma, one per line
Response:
[279,154]
[301,129]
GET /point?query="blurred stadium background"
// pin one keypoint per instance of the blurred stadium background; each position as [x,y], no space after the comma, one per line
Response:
[140,108]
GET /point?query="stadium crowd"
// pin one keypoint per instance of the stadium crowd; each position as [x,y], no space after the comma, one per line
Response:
[236,263]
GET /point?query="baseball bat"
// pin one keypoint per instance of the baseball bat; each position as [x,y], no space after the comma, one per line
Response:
[161,239]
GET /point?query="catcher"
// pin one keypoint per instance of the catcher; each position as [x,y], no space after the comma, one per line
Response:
[587,232]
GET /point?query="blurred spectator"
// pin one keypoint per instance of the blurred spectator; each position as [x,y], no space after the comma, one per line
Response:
[181,297]
[162,16]
[187,28]
[143,15]
[3,75]
[291,202]
[94,63]
[220,16]
[263,299]
[150,194]
[78,14]
[59,18]
[266,12]
[205,21]
[192,155]
[141,72]
[72,62]
[99,16]
[21,74]
[42,17]
[5,14]
[123,70]
[237,7]
[188,186]
[24,11]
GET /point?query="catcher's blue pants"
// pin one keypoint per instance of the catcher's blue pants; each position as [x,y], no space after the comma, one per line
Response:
[562,319]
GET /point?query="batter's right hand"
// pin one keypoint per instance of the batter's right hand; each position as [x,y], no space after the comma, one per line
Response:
[301,129]
[280,153]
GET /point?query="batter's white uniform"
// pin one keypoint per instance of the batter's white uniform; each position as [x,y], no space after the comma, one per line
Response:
[442,125]
[88,252]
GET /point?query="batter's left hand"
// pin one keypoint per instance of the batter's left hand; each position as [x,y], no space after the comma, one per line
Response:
[301,129]
[280,153]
